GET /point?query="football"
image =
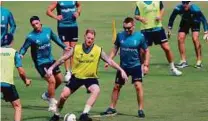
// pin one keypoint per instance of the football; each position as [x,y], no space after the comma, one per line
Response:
[70,117]
[205,37]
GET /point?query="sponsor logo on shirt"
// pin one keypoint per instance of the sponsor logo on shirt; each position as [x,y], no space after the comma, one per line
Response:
[5,54]
[44,46]
[68,10]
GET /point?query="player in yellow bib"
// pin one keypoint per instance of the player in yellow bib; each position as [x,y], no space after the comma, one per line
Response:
[150,13]
[86,58]
[9,59]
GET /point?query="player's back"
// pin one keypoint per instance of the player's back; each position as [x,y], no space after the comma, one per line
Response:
[7,64]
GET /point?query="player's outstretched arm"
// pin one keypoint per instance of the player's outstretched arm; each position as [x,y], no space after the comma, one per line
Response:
[112,55]
[113,64]
[60,61]
[18,64]
[25,46]
[23,76]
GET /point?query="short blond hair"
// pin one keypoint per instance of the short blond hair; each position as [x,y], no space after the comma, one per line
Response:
[90,30]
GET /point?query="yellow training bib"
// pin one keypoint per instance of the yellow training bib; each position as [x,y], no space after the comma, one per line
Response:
[85,65]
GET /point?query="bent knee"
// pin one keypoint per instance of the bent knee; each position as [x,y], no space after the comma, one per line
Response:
[94,89]
[117,87]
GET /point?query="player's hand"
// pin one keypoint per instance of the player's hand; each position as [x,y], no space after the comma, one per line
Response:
[27,82]
[106,66]
[124,76]
[76,15]
[49,72]
[158,18]
[59,17]
[169,33]
[145,69]
[205,36]
[21,56]
[143,20]
[67,48]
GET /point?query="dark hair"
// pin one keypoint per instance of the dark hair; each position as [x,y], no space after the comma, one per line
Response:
[34,18]
[7,41]
[90,30]
[128,20]
[186,2]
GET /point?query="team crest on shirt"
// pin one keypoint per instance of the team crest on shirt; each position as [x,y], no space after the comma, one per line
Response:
[37,41]
[122,41]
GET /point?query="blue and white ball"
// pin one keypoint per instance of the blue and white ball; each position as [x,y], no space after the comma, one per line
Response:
[70,117]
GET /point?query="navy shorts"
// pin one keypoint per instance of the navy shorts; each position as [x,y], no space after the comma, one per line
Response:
[8,38]
[9,92]
[42,72]
[75,83]
[135,73]
[158,37]
[185,27]
[68,34]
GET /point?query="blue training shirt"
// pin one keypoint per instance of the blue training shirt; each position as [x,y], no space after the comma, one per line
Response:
[130,46]
[67,9]
[7,20]
[40,44]
[17,60]
[193,15]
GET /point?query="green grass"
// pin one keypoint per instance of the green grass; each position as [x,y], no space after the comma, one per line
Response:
[167,98]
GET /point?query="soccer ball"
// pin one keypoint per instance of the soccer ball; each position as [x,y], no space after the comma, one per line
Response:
[205,37]
[70,117]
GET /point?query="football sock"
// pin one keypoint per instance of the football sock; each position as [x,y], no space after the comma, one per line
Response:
[198,62]
[87,108]
[172,66]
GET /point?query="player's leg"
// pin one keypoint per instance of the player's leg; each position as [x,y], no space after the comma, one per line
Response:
[161,38]
[148,37]
[69,89]
[197,45]
[71,38]
[11,95]
[140,97]
[93,88]
[67,62]
[18,109]
[119,82]
[181,47]
[136,74]
[51,92]
[195,37]
[66,92]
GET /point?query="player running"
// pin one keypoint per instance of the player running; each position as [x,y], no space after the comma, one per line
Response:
[191,17]
[40,42]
